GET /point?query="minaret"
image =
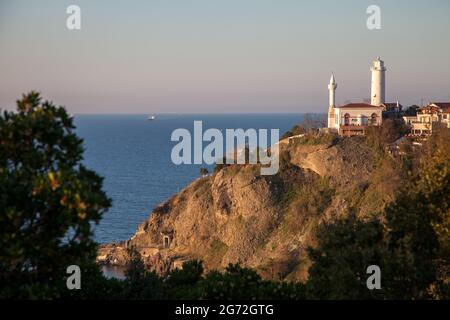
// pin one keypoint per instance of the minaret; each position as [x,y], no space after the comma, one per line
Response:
[332,103]
[378,82]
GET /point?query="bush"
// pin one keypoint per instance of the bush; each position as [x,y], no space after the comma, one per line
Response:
[238,283]
[310,122]
[389,131]
[345,249]
[409,243]
[316,138]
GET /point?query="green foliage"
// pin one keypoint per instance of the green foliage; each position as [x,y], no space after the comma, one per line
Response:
[387,180]
[345,249]
[94,286]
[307,200]
[190,282]
[286,135]
[238,283]
[288,179]
[295,131]
[48,199]
[139,282]
[183,284]
[412,246]
[390,130]
[316,138]
[434,185]
[410,243]
[420,220]
[348,246]
[310,123]
[412,110]
[217,251]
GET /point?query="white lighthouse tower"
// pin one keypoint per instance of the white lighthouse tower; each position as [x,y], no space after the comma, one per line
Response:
[332,89]
[378,82]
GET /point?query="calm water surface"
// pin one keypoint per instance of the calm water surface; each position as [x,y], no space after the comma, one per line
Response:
[133,155]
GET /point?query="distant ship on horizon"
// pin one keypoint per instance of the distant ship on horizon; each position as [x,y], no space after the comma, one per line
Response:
[151,117]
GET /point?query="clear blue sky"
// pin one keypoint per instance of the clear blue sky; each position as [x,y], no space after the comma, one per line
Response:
[220,55]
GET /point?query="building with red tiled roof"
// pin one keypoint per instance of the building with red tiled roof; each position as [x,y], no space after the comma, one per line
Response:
[444,106]
[428,117]
[358,105]
[354,118]
[444,116]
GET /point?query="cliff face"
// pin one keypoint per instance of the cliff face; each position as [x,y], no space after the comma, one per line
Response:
[263,222]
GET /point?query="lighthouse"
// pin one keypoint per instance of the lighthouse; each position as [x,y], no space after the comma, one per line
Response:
[378,82]
[332,103]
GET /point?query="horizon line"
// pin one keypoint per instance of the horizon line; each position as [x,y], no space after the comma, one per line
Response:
[191,113]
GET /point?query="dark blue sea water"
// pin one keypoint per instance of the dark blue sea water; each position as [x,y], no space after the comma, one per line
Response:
[133,155]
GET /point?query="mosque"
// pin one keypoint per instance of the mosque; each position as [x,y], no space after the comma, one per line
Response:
[353,118]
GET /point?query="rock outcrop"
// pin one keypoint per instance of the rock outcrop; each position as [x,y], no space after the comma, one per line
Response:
[263,222]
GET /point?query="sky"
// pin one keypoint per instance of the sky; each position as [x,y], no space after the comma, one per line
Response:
[220,56]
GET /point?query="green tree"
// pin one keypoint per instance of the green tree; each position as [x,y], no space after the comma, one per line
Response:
[183,283]
[190,283]
[345,249]
[412,110]
[410,242]
[310,123]
[139,283]
[419,224]
[237,283]
[389,131]
[48,200]
[434,185]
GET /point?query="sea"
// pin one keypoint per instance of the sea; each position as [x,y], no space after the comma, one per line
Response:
[133,154]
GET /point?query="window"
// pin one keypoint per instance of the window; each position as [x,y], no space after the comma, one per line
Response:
[373,119]
[346,119]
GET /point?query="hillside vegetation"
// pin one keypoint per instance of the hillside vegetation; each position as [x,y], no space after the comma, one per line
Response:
[335,207]
[268,222]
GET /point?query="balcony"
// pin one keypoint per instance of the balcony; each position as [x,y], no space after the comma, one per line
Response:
[420,125]
[352,130]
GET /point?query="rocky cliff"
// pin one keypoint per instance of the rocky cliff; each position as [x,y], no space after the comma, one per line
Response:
[264,222]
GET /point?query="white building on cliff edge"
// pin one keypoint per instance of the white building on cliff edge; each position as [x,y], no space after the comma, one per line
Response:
[353,118]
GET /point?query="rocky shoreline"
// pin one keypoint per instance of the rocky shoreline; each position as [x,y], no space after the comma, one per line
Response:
[262,222]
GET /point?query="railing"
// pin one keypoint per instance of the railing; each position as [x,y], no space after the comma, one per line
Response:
[353,127]
[421,126]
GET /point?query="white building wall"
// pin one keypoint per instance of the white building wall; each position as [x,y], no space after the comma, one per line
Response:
[358,116]
[378,83]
